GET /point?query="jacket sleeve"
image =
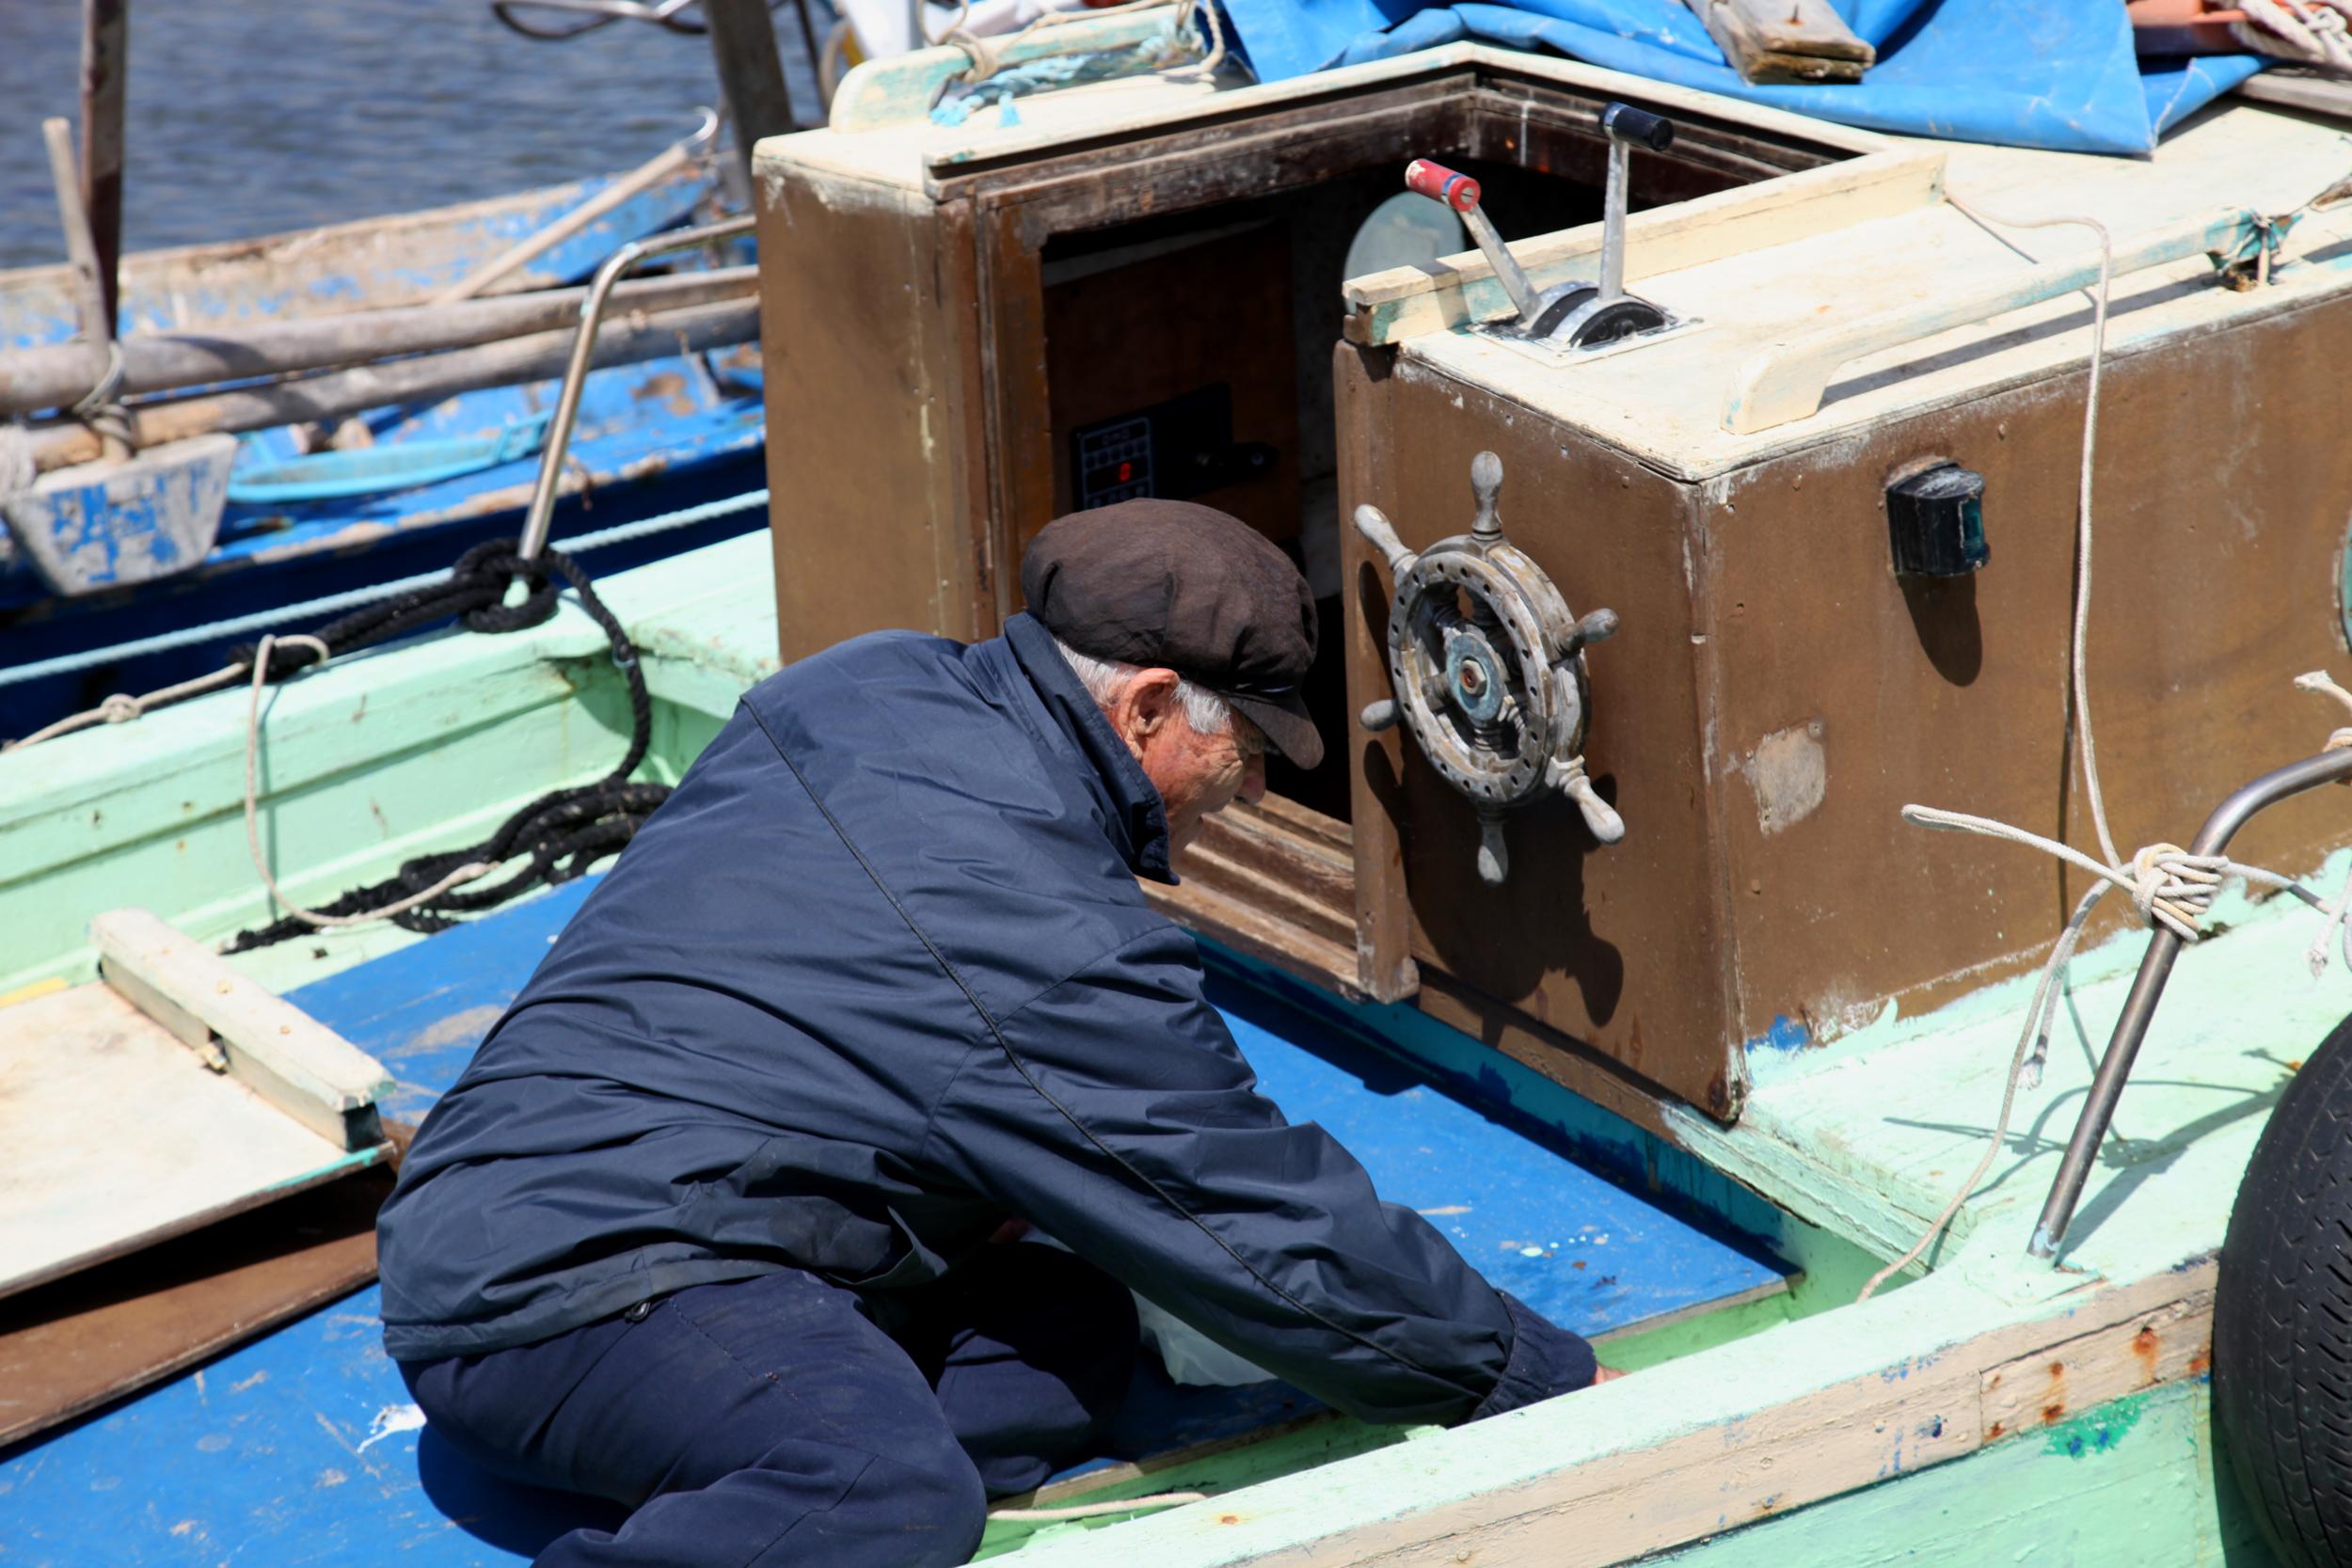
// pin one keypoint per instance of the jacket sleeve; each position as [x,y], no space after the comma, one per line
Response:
[1115,1112]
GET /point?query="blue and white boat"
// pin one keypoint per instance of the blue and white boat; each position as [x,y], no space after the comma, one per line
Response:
[405,488]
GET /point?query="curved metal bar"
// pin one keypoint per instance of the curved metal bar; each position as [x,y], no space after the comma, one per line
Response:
[537,520]
[2140,1007]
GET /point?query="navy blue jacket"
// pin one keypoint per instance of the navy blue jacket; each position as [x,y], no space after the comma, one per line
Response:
[877,977]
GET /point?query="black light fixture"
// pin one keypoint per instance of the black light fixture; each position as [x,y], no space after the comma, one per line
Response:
[1935,522]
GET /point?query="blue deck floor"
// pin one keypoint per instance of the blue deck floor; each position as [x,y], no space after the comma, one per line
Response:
[300,1447]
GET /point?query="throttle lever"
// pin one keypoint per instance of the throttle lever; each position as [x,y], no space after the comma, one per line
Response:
[1581,315]
[1460,192]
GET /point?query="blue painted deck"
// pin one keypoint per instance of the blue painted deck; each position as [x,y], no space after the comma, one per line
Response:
[292,1449]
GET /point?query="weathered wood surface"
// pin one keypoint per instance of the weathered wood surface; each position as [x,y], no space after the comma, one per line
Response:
[1384,967]
[54,376]
[1619,946]
[118,1136]
[80,1342]
[1786,380]
[1785,40]
[105,66]
[751,72]
[480,279]
[401,259]
[2293,87]
[128,518]
[872,295]
[1275,882]
[1390,307]
[271,1046]
[535,356]
[1612,1501]
[81,247]
[2059,1381]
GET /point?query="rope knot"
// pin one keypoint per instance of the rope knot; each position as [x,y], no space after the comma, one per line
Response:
[488,570]
[2172,888]
[120,709]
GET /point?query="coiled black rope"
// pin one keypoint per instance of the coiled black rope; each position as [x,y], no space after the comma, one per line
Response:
[563,832]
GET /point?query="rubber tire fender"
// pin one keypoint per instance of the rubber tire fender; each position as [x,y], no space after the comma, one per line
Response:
[2283,1318]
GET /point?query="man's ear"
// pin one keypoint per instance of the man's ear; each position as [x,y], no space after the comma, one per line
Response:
[1145,706]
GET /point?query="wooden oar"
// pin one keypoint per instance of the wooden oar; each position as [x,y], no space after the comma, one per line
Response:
[54,375]
[424,379]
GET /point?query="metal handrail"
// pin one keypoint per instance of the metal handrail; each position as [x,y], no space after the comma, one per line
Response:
[2155,967]
[542,513]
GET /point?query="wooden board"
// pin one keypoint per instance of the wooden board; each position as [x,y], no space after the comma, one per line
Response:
[263,1042]
[118,1136]
[1785,40]
[1276,882]
[77,1344]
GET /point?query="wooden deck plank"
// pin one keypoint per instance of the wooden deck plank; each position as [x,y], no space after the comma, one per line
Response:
[118,1135]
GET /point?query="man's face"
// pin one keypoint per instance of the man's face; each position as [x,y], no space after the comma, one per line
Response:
[1196,774]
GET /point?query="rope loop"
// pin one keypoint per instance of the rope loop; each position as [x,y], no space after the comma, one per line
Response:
[556,837]
[2172,888]
[102,396]
[495,567]
[120,708]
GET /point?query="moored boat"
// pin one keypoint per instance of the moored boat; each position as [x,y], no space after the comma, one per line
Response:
[1832,498]
[413,463]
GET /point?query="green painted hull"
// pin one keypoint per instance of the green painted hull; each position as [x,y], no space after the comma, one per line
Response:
[1796,1429]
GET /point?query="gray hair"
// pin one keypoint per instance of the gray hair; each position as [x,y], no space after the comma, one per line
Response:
[1204,710]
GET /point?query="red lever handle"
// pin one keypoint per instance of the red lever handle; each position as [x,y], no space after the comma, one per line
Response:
[1441,184]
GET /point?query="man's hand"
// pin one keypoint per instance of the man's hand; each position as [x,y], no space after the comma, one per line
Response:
[1604,1375]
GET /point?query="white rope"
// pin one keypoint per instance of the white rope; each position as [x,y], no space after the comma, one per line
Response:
[2168,886]
[120,708]
[2313,32]
[1093,1511]
[466,873]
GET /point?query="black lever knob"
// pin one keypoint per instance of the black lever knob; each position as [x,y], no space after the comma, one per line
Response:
[1626,124]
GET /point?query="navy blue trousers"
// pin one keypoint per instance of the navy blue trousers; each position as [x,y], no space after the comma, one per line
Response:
[783,1419]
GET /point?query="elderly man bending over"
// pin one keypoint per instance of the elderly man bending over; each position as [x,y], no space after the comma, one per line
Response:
[704,1227]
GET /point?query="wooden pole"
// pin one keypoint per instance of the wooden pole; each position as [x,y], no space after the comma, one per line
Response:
[647,175]
[751,72]
[625,341]
[55,374]
[89,299]
[105,61]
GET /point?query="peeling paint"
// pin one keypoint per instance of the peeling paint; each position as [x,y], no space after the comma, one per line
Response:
[1789,772]
[2098,1432]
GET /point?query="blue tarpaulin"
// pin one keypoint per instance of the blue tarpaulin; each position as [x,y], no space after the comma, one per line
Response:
[2051,74]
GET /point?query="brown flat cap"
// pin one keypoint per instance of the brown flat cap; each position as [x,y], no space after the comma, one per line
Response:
[1177,586]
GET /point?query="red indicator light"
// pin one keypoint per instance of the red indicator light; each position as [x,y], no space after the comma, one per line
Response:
[1127,472]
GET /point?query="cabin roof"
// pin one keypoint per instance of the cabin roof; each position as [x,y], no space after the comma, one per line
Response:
[1663,400]
[917,154]
[1830,262]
